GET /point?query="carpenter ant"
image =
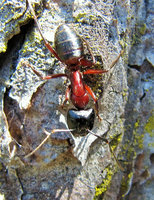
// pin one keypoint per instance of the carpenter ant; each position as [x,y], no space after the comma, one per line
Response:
[69,50]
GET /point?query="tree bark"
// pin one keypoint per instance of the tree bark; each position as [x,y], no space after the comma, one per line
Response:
[66,166]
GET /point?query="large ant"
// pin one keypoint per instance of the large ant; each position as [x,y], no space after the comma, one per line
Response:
[70,51]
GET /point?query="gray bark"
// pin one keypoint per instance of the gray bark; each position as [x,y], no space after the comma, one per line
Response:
[68,167]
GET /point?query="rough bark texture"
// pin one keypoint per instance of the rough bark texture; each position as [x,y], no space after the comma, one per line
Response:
[68,167]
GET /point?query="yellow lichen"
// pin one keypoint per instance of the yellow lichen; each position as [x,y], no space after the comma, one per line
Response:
[92,17]
[100,189]
[149,127]
[80,16]
[126,183]
[140,30]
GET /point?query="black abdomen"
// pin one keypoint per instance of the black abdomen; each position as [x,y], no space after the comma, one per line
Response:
[68,44]
[80,121]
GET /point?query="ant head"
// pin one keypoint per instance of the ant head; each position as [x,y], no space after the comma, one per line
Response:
[80,121]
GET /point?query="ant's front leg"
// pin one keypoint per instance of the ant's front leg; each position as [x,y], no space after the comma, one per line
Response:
[50,76]
[99,71]
[95,71]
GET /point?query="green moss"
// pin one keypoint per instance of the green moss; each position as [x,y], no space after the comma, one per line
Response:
[100,189]
[88,37]
[137,137]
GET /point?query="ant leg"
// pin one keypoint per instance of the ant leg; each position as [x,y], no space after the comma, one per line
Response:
[39,29]
[91,93]
[90,51]
[85,62]
[46,138]
[116,60]
[95,71]
[67,95]
[41,76]
[107,142]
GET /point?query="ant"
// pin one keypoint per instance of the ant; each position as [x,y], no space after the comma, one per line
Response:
[69,50]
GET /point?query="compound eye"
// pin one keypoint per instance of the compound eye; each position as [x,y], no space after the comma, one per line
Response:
[80,121]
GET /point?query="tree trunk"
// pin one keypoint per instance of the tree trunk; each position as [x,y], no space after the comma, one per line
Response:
[67,166]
